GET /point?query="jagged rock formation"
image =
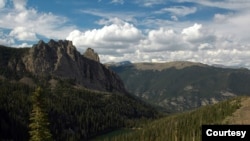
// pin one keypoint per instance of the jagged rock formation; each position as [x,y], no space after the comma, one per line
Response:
[91,54]
[60,59]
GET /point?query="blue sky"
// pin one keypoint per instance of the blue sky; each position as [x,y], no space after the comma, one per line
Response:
[206,31]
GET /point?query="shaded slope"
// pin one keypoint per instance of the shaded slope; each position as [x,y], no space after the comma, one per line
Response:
[181,127]
[74,114]
[180,86]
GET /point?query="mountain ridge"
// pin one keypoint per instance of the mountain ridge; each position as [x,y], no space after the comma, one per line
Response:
[183,85]
[168,64]
[60,59]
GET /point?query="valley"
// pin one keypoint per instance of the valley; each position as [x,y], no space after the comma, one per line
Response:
[182,126]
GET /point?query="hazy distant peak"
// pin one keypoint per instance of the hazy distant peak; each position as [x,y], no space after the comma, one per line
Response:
[162,66]
[123,63]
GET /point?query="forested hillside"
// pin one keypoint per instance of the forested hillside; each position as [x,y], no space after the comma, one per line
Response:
[73,114]
[181,86]
[179,127]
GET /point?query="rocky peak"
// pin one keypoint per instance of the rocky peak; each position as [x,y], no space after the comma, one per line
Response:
[63,45]
[60,59]
[91,54]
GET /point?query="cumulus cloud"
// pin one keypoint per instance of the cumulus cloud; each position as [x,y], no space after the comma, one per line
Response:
[192,33]
[190,38]
[26,23]
[162,39]
[114,38]
[22,33]
[121,41]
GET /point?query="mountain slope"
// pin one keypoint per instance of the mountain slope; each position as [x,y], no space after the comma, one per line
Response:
[180,86]
[81,97]
[74,114]
[180,127]
[241,115]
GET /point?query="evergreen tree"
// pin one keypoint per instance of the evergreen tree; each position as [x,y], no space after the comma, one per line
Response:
[39,130]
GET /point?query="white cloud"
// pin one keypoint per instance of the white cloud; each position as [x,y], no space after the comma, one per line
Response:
[5,39]
[116,38]
[22,33]
[2,3]
[119,41]
[192,33]
[110,21]
[225,4]
[205,46]
[22,45]
[26,23]
[219,18]
[117,1]
[178,10]
[174,18]
[20,4]
[162,39]
[199,43]
[233,25]
[149,3]
[110,17]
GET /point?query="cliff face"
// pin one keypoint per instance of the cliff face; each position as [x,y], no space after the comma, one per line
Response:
[91,54]
[62,60]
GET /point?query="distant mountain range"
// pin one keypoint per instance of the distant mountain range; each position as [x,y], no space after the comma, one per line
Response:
[179,86]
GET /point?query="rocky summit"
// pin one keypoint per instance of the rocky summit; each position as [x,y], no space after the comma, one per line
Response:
[91,54]
[60,59]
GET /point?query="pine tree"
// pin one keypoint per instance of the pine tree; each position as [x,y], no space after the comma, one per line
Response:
[39,130]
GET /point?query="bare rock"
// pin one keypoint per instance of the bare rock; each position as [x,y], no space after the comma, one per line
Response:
[61,59]
[91,54]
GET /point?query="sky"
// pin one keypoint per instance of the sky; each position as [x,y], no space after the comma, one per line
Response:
[206,31]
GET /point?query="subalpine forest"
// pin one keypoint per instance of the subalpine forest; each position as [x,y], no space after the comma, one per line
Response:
[65,113]
[178,127]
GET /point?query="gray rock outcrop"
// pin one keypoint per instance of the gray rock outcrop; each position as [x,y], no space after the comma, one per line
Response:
[60,59]
[91,54]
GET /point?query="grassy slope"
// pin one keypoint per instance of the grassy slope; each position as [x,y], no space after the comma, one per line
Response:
[241,115]
[184,126]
